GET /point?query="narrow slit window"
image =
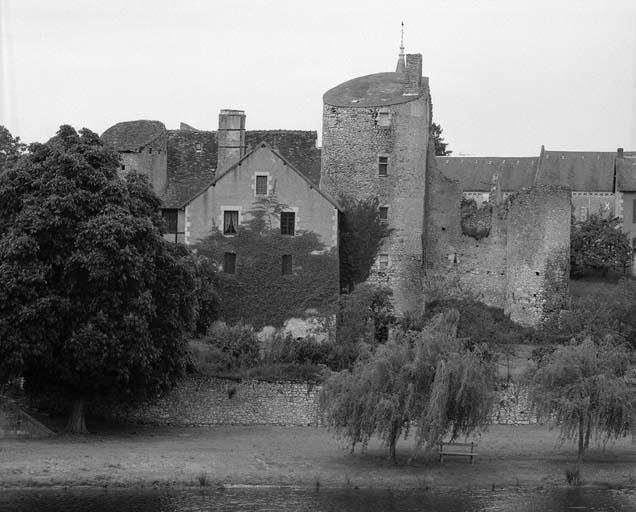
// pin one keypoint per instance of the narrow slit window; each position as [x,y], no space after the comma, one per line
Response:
[230,222]
[383,165]
[287,223]
[229,263]
[384,213]
[261,185]
[287,264]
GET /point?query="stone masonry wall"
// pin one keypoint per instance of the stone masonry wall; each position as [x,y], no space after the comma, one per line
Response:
[151,161]
[201,401]
[538,260]
[353,139]
[476,266]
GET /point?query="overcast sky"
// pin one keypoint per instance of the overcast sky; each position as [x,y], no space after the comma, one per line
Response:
[506,76]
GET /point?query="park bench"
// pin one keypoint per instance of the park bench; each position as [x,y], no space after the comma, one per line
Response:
[457,449]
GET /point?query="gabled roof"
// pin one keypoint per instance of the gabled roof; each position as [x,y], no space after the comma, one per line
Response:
[475,173]
[133,135]
[578,170]
[626,174]
[261,146]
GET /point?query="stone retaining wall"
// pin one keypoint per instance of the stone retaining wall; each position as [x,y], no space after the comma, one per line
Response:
[200,401]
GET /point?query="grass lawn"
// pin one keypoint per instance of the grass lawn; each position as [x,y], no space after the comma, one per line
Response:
[525,456]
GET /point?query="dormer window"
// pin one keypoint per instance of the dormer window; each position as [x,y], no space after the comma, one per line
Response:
[197,147]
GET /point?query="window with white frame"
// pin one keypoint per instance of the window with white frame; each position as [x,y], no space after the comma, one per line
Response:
[384,214]
[261,185]
[230,222]
[383,165]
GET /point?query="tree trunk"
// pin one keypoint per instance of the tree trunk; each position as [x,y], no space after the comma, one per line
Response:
[588,430]
[76,420]
[581,437]
[395,432]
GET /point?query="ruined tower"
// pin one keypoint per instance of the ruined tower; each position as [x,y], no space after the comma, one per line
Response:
[375,140]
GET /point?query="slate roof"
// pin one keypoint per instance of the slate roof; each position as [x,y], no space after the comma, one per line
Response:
[626,174]
[190,172]
[578,170]
[133,135]
[260,146]
[475,173]
[371,90]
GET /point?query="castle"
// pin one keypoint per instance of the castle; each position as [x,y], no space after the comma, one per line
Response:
[498,227]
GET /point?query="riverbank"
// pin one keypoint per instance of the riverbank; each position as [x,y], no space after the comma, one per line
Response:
[527,456]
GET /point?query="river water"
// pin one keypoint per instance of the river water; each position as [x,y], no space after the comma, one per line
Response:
[314,500]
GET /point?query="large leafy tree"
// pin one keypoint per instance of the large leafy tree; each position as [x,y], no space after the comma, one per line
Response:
[586,389]
[598,244]
[10,148]
[428,377]
[93,302]
[361,235]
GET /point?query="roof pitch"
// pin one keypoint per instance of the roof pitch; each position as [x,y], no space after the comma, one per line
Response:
[133,135]
[370,90]
[475,173]
[626,174]
[297,146]
[259,147]
[578,170]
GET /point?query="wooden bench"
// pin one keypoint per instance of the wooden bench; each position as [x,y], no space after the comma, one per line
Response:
[457,449]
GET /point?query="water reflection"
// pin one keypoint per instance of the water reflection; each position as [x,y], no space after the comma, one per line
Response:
[323,500]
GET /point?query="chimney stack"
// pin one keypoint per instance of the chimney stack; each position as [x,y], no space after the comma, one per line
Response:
[231,139]
[619,152]
[413,73]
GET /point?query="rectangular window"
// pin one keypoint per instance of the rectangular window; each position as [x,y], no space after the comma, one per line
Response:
[123,167]
[150,151]
[583,213]
[287,223]
[384,261]
[384,213]
[229,263]
[197,147]
[171,218]
[230,222]
[287,264]
[383,165]
[384,118]
[261,185]
[634,244]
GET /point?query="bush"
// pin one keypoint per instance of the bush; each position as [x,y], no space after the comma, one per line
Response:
[236,346]
[283,348]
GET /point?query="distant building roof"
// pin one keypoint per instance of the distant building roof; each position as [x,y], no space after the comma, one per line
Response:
[475,173]
[626,174]
[578,170]
[372,90]
[133,135]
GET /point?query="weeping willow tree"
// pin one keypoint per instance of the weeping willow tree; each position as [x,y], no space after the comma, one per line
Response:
[587,389]
[426,378]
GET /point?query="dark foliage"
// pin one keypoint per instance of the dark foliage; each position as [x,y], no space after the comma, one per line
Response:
[258,293]
[361,235]
[10,148]
[438,140]
[476,220]
[93,301]
[598,244]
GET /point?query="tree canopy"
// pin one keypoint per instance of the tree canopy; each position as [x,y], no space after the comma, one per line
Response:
[586,388]
[427,377]
[598,244]
[10,148]
[94,302]
[438,140]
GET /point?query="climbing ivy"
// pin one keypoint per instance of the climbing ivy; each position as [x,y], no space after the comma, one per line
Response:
[258,293]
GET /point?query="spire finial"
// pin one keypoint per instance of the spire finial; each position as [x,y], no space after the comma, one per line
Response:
[401,64]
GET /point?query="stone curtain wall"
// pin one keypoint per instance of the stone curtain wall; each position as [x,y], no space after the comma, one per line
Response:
[201,401]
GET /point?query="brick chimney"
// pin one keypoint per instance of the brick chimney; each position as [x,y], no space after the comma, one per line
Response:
[413,73]
[619,152]
[231,139]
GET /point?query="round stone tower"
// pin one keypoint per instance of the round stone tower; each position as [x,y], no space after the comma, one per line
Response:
[375,142]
